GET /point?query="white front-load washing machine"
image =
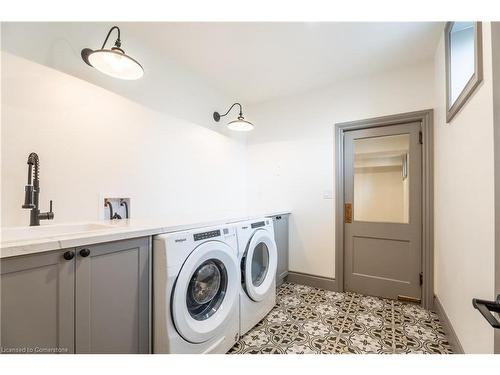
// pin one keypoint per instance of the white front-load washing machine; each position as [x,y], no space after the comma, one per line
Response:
[258,259]
[196,291]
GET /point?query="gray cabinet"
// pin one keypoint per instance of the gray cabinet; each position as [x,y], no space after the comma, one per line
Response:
[113,283]
[281,236]
[37,303]
[98,301]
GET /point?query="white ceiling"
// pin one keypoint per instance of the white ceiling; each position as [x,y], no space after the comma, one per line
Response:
[247,62]
[254,62]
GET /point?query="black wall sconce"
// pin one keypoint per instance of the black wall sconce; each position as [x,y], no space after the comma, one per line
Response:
[113,62]
[240,124]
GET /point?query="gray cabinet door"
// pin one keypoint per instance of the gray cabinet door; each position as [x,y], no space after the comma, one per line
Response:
[37,303]
[113,284]
[281,236]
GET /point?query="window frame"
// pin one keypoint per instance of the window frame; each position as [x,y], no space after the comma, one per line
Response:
[477,77]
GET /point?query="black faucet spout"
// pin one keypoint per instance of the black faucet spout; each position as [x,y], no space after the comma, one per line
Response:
[32,192]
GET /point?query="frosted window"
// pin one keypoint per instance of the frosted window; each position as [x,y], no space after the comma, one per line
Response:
[461,57]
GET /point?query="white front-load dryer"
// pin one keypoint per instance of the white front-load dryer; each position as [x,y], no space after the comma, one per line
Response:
[196,291]
[258,259]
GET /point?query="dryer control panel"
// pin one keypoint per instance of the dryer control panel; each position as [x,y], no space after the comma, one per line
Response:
[258,224]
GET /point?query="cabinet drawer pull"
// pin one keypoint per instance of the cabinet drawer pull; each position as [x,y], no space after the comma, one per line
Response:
[84,252]
[278,217]
[68,255]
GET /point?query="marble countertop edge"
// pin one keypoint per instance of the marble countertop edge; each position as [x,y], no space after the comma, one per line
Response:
[117,231]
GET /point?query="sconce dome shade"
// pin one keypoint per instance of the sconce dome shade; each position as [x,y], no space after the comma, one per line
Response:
[240,125]
[114,62]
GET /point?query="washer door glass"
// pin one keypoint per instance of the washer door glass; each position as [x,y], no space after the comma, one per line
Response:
[205,294]
[260,263]
[206,289]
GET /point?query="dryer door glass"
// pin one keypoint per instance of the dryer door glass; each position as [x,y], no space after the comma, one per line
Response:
[206,289]
[260,263]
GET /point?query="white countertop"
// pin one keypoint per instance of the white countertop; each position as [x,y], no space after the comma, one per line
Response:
[115,230]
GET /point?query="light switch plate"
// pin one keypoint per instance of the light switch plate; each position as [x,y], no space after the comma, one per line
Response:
[327,194]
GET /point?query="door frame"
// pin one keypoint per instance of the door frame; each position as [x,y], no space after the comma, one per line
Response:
[425,117]
[495,40]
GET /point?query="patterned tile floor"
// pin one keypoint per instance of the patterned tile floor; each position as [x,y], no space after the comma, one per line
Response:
[312,320]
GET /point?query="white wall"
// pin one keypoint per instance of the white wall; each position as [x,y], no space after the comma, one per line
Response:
[464,205]
[167,86]
[291,153]
[93,141]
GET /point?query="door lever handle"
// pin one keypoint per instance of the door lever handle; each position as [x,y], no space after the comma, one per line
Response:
[486,308]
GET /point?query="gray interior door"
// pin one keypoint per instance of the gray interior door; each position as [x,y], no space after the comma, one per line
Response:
[382,221]
[37,303]
[113,297]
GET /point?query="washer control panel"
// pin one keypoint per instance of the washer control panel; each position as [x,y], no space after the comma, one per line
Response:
[206,235]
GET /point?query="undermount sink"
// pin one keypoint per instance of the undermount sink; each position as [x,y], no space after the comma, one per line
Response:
[46,231]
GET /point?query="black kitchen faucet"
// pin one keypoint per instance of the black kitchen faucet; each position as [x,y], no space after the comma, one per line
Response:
[32,192]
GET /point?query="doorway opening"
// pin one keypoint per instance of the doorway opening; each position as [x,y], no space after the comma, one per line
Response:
[384,207]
